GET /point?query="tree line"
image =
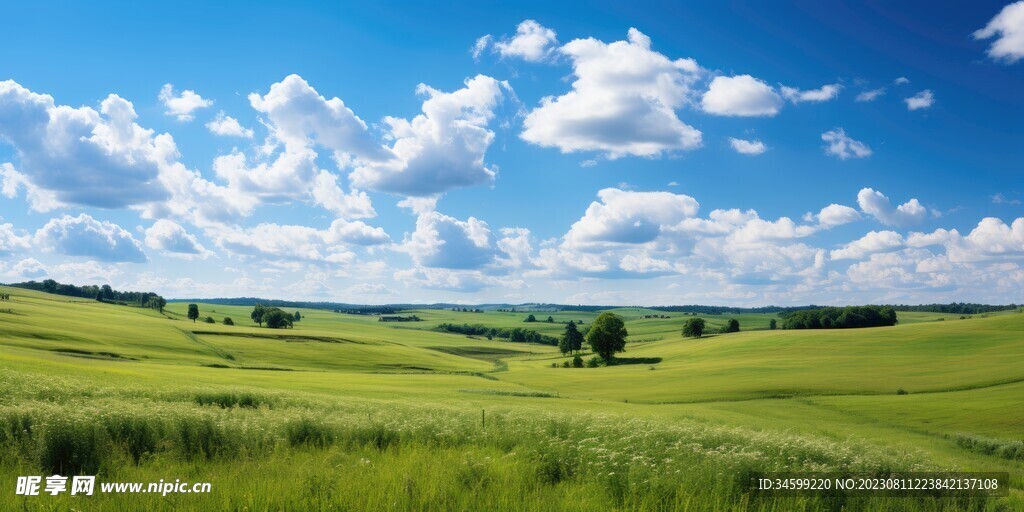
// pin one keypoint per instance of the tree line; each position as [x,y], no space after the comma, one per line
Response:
[841,318]
[515,334]
[101,293]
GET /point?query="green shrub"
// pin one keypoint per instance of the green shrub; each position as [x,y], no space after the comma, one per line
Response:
[593,362]
[306,432]
[577,362]
[227,400]
[228,321]
[72,447]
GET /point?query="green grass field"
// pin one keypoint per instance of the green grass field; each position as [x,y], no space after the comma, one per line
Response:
[345,412]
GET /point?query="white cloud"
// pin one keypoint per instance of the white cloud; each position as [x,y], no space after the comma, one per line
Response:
[11,181]
[480,45]
[842,146]
[877,205]
[228,126]
[923,99]
[901,80]
[824,93]
[276,242]
[623,101]
[440,241]
[182,105]
[375,289]
[875,241]
[1008,29]
[464,281]
[836,215]
[11,241]
[441,149]
[999,198]
[741,95]
[83,157]
[28,268]
[174,240]
[299,116]
[533,42]
[626,217]
[747,147]
[870,95]
[88,237]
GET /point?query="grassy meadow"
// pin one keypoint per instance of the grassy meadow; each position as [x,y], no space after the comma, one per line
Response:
[344,412]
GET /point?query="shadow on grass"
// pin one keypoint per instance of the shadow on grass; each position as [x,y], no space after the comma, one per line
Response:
[634,360]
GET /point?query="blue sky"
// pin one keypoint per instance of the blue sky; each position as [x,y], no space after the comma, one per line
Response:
[638,153]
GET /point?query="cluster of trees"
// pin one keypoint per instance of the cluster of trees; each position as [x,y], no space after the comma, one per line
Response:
[532,318]
[515,335]
[468,310]
[101,293]
[840,318]
[572,340]
[275,318]
[959,308]
[5,296]
[694,328]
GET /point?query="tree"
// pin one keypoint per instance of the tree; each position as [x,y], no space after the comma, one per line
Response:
[257,314]
[228,321]
[550,319]
[732,325]
[607,336]
[193,312]
[772,324]
[517,335]
[297,316]
[572,340]
[531,318]
[693,328]
[210,320]
[277,319]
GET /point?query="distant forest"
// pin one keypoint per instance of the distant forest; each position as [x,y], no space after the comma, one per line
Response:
[101,293]
[840,318]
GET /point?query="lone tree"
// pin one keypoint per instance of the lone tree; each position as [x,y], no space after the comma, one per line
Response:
[277,319]
[772,324]
[257,314]
[607,336]
[228,321]
[297,316]
[732,326]
[572,340]
[193,312]
[550,320]
[531,318]
[693,328]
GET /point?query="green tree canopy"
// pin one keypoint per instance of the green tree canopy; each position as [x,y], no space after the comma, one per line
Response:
[732,326]
[693,328]
[193,312]
[572,339]
[277,319]
[607,335]
[531,318]
[257,314]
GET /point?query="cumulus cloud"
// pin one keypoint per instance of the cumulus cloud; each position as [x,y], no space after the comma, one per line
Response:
[12,181]
[1007,27]
[441,149]
[836,215]
[747,147]
[921,100]
[276,242]
[440,241]
[28,268]
[627,217]
[299,117]
[875,241]
[11,241]
[83,157]
[182,106]
[623,101]
[174,240]
[227,126]
[741,95]
[533,42]
[88,237]
[842,146]
[824,93]
[877,205]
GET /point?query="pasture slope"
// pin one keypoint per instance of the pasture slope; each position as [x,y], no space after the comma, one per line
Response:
[344,412]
